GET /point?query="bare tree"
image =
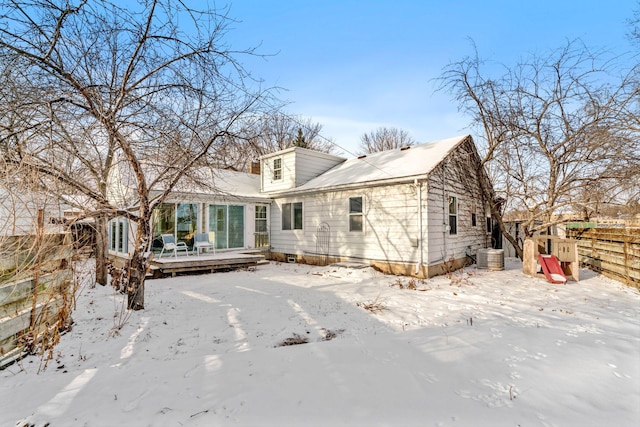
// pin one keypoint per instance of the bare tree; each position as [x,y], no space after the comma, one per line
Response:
[384,138]
[548,132]
[266,134]
[151,90]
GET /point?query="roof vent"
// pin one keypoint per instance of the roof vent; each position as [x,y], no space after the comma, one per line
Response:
[405,148]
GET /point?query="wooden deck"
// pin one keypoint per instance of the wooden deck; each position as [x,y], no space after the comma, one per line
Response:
[169,265]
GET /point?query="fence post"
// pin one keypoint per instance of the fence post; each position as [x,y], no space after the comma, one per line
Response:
[626,237]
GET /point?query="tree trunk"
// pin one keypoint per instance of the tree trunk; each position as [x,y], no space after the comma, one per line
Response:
[101,245]
[488,194]
[137,274]
[139,262]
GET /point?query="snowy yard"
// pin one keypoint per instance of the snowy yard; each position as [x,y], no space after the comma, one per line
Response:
[480,349]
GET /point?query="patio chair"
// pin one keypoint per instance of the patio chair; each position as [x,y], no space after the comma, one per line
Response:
[201,241]
[169,244]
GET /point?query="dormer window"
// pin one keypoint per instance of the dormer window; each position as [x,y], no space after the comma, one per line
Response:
[277,169]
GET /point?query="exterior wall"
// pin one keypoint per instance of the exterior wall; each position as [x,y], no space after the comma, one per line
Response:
[121,185]
[19,212]
[299,165]
[456,177]
[392,217]
[390,225]
[203,219]
[268,184]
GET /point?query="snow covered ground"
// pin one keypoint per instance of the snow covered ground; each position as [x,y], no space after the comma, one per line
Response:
[478,349]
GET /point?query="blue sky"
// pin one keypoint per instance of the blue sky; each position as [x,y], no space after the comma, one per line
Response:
[354,66]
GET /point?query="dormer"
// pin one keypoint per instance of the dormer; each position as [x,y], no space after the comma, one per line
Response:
[292,167]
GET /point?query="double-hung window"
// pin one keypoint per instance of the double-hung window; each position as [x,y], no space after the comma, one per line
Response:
[262,232]
[356,217]
[292,216]
[453,215]
[261,219]
[277,169]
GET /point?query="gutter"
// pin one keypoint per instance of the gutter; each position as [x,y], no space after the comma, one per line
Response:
[344,187]
[418,185]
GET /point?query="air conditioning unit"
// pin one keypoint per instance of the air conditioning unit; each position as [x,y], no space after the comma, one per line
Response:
[491,259]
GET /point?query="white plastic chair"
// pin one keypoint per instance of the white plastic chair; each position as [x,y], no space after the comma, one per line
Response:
[201,241]
[169,244]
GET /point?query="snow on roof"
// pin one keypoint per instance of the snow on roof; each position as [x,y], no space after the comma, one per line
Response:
[222,181]
[237,183]
[395,164]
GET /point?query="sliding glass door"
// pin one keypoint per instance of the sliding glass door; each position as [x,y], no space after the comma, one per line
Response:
[178,219]
[227,221]
[236,226]
[186,222]
[218,224]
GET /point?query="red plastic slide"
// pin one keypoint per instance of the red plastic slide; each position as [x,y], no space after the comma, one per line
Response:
[551,268]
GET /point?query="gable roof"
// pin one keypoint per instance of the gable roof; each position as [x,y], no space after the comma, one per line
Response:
[400,164]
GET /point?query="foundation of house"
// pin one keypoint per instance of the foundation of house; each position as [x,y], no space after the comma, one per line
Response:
[386,267]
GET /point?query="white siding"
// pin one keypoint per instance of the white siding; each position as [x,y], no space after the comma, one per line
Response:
[121,185]
[390,224]
[461,181]
[288,172]
[19,211]
[391,218]
[310,164]
[299,165]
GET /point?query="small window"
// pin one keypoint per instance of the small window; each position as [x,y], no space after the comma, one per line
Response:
[113,232]
[261,219]
[277,169]
[489,227]
[122,237]
[453,215]
[292,216]
[119,235]
[356,216]
[473,220]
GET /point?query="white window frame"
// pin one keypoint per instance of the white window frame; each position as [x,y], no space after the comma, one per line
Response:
[119,235]
[356,214]
[290,214]
[260,219]
[453,216]
[277,174]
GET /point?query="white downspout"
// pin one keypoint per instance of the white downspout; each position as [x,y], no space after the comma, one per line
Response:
[420,234]
[445,219]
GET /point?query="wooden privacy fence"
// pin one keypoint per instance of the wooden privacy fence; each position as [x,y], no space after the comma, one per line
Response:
[35,292]
[615,252]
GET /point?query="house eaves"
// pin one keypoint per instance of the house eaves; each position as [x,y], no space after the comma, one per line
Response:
[389,167]
[351,186]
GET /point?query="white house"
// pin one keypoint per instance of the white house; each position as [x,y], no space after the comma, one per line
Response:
[416,210]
